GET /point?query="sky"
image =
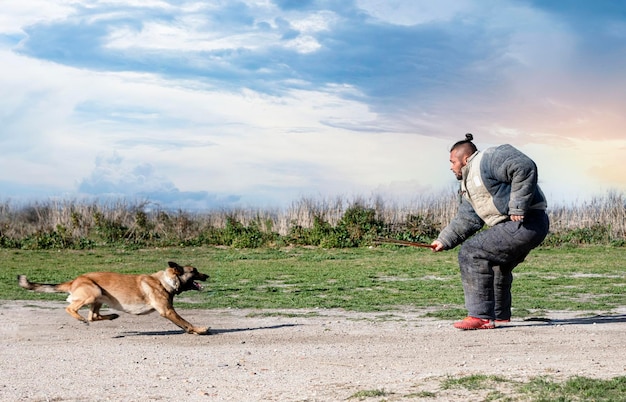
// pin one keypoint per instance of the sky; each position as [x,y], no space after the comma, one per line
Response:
[226,103]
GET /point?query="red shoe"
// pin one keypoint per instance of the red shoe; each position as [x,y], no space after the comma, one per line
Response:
[474,323]
[502,321]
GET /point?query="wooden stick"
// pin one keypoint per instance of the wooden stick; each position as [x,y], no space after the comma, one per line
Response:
[403,243]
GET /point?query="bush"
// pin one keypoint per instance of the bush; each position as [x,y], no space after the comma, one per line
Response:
[358,225]
[330,224]
[108,229]
[418,228]
[58,239]
[314,236]
[596,234]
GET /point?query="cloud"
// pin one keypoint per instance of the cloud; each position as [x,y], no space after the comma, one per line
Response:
[409,13]
[20,14]
[111,176]
[115,178]
[274,99]
[389,52]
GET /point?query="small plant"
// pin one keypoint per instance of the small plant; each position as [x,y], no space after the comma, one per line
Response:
[421,394]
[368,394]
[472,382]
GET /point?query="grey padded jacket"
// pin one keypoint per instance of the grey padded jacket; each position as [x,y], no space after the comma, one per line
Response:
[497,182]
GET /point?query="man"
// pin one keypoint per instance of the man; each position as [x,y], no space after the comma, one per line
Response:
[498,188]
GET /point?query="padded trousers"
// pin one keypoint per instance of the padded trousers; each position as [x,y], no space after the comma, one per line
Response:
[487,261]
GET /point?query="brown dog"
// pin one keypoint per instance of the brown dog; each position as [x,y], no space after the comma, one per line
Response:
[134,294]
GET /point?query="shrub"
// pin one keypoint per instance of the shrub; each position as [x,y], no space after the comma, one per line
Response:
[108,229]
[359,224]
[315,236]
[327,223]
[596,234]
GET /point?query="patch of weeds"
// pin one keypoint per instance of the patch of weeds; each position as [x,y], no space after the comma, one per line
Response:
[496,396]
[537,389]
[368,394]
[542,389]
[421,394]
[472,382]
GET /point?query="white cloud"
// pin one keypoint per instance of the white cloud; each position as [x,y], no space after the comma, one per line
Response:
[113,175]
[316,22]
[414,12]
[230,143]
[182,37]
[195,32]
[19,14]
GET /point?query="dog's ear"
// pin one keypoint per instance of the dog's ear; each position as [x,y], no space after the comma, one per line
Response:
[177,268]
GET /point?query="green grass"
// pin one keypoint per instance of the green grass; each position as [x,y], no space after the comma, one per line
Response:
[537,389]
[576,389]
[363,279]
[480,387]
[472,382]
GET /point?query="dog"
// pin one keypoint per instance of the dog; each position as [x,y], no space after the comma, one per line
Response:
[133,294]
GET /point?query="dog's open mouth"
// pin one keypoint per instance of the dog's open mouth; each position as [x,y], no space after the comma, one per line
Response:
[195,285]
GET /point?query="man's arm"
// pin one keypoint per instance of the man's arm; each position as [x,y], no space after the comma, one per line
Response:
[463,225]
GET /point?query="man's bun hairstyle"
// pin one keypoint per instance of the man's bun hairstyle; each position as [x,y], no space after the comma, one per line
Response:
[466,143]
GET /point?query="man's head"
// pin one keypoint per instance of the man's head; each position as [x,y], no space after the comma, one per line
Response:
[460,153]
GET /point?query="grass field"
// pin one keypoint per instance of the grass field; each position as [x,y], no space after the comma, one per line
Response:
[363,279]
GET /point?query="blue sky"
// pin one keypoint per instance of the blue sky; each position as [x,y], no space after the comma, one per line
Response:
[201,104]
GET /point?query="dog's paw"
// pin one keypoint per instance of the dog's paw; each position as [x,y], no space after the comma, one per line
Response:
[200,331]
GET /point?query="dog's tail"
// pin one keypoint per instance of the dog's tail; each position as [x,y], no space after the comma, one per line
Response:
[43,287]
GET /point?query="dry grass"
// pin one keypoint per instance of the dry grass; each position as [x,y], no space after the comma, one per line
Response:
[608,211]
[144,219]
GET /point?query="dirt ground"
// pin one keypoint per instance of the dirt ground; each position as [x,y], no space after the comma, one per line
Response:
[317,355]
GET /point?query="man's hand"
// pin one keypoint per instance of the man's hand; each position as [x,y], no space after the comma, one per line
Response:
[437,245]
[517,218]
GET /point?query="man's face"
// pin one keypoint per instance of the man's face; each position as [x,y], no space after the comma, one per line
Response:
[457,162]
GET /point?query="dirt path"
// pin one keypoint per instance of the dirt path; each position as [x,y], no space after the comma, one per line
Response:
[327,355]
